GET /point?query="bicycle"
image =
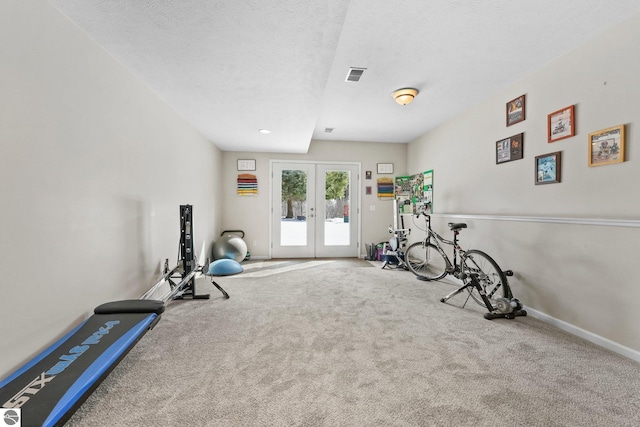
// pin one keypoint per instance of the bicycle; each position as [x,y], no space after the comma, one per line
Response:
[481,276]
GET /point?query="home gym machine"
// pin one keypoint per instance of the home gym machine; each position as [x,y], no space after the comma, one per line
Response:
[48,389]
[186,263]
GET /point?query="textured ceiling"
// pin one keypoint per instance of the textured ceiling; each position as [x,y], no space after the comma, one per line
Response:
[232,67]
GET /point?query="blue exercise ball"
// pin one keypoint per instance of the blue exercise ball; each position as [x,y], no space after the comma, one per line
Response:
[224,267]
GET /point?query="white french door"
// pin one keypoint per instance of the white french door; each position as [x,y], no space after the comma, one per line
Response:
[315,210]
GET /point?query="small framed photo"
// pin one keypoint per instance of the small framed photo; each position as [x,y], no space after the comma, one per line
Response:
[547,168]
[561,124]
[246,164]
[509,149]
[367,175]
[515,111]
[385,168]
[606,146]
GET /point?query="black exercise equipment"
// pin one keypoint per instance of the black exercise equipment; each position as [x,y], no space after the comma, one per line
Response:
[393,252]
[186,252]
[51,387]
[506,307]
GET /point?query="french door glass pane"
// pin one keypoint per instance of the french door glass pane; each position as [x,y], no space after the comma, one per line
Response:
[293,214]
[336,226]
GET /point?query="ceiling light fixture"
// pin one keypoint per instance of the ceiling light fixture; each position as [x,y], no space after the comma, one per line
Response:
[264,131]
[405,96]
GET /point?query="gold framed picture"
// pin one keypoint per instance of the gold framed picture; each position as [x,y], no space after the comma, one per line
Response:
[606,146]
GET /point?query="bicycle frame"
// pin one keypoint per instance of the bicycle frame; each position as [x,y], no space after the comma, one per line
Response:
[435,239]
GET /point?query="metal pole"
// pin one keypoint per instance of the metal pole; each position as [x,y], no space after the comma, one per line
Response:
[159,283]
[179,287]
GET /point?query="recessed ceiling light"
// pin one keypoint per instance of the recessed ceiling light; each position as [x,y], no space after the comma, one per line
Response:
[264,131]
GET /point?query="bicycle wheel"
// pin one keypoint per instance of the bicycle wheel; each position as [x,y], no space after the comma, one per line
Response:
[490,276]
[425,261]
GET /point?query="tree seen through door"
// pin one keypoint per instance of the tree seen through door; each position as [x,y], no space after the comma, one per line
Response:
[294,191]
[337,195]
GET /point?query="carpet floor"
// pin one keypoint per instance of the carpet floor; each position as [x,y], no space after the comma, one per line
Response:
[346,343]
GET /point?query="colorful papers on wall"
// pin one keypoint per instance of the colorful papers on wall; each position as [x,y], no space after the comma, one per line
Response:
[385,188]
[428,191]
[247,184]
[403,189]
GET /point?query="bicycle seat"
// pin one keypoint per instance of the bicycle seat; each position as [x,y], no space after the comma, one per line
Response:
[457,225]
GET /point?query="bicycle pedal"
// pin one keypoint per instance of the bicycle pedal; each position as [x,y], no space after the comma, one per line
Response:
[508,273]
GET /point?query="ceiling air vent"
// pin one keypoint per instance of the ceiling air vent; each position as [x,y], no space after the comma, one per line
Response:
[354,74]
[328,130]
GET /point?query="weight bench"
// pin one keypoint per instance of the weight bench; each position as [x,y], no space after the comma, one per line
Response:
[53,385]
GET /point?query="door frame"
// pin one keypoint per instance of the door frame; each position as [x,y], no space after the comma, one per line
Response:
[356,198]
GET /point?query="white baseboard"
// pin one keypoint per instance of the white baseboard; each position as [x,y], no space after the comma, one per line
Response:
[589,336]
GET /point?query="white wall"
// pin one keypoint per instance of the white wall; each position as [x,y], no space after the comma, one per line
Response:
[251,214]
[578,273]
[94,167]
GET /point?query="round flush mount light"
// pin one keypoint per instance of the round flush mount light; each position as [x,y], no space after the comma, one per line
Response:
[265,131]
[405,95]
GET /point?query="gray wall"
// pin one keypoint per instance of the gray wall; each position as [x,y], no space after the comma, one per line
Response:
[572,269]
[251,214]
[93,168]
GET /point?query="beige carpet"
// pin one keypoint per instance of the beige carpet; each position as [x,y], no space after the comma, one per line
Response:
[346,343]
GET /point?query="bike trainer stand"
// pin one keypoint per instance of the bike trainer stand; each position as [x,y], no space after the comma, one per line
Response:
[506,307]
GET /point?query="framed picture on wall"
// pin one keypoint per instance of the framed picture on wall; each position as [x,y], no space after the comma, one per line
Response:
[385,168]
[515,111]
[606,146]
[547,168]
[246,164]
[561,124]
[509,149]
